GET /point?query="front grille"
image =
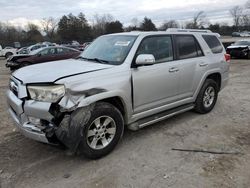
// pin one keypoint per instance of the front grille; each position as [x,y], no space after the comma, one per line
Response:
[14,87]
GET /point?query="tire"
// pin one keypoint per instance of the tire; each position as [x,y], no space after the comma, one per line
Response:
[8,54]
[103,111]
[248,55]
[204,102]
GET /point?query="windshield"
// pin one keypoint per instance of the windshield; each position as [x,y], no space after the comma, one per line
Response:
[242,43]
[110,49]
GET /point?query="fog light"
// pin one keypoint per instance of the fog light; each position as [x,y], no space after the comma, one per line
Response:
[34,121]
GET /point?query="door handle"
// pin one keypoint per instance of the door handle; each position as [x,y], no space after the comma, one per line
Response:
[173,69]
[203,64]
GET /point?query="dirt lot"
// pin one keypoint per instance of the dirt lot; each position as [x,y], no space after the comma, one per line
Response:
[144,158]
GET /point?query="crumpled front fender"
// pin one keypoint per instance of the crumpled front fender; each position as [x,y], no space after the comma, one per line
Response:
[70,130]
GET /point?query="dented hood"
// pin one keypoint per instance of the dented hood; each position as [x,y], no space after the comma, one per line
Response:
[56,70]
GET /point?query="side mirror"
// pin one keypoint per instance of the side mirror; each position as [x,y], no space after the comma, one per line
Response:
[145,59]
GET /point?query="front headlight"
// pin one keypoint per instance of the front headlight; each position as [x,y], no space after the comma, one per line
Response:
[46,93]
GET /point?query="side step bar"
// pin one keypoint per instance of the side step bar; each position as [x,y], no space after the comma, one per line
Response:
[160,116]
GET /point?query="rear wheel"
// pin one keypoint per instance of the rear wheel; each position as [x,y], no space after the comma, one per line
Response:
[102,132]
[207,97]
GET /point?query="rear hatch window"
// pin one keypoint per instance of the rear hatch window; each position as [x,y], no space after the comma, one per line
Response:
[213,43]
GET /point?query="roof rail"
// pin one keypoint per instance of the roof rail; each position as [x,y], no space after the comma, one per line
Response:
[188,30]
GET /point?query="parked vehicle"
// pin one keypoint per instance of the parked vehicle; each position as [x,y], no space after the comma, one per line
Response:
[77,47]
[40,56]
[86,45]
[236,34]
[129,79]
[23,50]
[240,49]
[7,51]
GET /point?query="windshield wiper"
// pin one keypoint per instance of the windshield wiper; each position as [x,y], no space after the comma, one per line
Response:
[100,60]
[94,59]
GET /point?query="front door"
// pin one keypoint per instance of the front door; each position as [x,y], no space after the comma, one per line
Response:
[156,85]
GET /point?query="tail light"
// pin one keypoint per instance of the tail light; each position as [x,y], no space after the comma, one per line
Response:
[227,57]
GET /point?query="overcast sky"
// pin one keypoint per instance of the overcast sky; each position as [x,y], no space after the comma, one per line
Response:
[20,12]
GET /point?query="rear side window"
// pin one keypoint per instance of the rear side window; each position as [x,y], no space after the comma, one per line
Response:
[159,46]
[187,47]
[213,43]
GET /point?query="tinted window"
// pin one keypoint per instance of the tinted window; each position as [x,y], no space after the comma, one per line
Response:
[213,43]
[187,47]
[64,50]
[159,46]
[61,51]
[48,51]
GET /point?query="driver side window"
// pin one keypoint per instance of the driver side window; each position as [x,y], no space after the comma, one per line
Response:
[159,46]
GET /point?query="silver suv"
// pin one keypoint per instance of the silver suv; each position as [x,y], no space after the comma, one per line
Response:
[129,79]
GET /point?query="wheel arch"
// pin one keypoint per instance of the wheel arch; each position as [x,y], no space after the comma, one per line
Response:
[118,103]
[216,77]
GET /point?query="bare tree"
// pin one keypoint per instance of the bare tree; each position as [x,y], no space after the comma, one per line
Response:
[100,22]
[236,13]
[49,26]
[198,21]
[169,24]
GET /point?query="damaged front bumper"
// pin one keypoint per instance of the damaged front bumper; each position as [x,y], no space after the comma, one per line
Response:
[26,127]
[47,122]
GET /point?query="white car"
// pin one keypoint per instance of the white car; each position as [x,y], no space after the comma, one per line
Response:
[7,51]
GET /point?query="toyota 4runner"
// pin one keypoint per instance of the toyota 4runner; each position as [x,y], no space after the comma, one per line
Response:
[129,79]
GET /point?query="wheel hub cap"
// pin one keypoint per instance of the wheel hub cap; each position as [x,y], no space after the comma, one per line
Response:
[101,132]
[209,96]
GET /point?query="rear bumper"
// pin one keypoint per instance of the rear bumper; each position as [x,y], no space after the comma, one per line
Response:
[21,120]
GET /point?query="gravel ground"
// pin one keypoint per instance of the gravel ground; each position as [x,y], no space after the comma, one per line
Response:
[144,158]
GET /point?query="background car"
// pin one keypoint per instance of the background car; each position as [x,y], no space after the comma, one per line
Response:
[7,51]
[23,50]
[41,55]
[240,49]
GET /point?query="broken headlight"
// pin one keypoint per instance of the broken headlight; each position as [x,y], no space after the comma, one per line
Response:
[46,93]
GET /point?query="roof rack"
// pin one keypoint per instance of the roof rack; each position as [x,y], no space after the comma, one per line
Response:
[188,30]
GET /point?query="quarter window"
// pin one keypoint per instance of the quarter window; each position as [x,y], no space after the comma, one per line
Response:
[187,47]
[213,43]
[159,46]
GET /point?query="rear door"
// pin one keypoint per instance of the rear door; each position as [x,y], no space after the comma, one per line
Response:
[193,64]
[155,85]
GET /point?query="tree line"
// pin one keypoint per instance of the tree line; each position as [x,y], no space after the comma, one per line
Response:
[77,27]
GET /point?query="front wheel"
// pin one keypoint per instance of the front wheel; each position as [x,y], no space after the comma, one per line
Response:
[207,97]
[102,132]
